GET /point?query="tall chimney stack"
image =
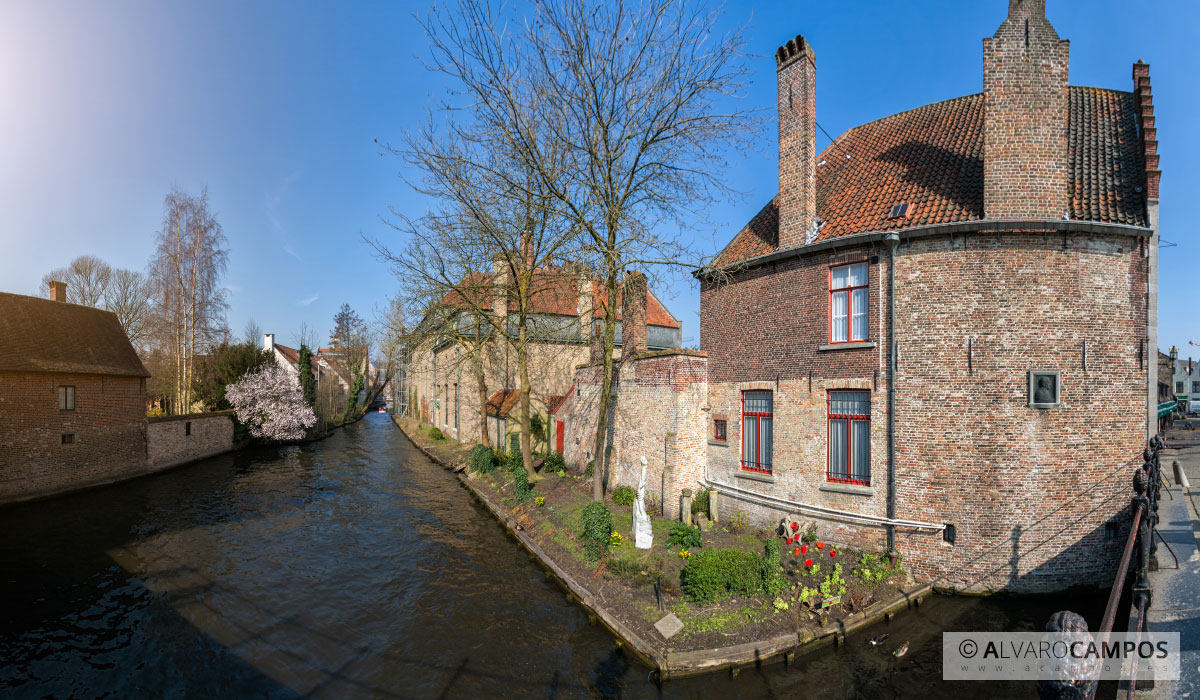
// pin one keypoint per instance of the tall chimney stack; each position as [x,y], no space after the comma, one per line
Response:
[58,291]
[797,201]
[1025,148]
[269,342]
[633,314]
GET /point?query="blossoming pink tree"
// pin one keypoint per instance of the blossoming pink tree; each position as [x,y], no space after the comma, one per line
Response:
[271,403]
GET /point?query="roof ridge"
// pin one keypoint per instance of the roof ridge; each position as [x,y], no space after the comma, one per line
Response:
[1103,89]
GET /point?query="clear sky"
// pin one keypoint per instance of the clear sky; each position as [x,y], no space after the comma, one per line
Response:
[275,106]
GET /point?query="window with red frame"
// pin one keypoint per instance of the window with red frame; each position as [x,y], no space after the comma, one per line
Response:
[850,437]
[848,303]
[719,430]
[756,431]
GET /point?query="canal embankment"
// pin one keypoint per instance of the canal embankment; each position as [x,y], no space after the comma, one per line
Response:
[760,631]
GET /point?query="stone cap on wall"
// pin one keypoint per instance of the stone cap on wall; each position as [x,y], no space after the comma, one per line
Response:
[190,416]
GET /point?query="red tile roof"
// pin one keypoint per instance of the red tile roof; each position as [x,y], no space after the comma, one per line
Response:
[501,403]
[40,335]
[556,292]
[932,158]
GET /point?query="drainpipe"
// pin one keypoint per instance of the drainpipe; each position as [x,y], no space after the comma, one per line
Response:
[893,240]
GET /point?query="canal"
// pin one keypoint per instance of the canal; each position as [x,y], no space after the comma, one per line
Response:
[355,567]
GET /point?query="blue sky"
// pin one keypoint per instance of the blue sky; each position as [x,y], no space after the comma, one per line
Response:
[275,106]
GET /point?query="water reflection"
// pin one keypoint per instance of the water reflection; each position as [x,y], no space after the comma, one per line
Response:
[350,568]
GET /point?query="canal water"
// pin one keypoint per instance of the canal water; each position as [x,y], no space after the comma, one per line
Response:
[355,567]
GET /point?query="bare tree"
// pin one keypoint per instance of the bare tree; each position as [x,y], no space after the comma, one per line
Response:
[87,279]
[306,336]
[128,296]
[185,275]
[252,333]
[618,110]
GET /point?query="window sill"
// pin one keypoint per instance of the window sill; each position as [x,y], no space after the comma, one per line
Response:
[847,346]
[755,476]
[852,489]
[718,443]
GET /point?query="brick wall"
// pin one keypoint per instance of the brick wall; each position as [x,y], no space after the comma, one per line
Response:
[797,102]
[1025,68]
[108,424]
[177,439]
[1029,490]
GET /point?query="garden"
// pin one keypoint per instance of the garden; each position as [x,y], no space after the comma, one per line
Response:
[727,581]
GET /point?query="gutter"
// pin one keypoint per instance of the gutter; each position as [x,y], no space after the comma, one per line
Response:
[786,505]
[925,231]
[894,240]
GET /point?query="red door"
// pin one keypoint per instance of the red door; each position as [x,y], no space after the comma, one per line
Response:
[558,436]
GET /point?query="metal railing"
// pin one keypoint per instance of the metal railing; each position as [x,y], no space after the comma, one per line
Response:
[1139,547]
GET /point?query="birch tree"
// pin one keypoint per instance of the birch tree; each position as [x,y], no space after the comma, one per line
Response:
[185,277]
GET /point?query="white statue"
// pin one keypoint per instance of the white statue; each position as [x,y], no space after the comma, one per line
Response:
[643,536]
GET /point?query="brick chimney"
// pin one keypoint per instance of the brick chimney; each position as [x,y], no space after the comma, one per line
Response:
[633,314]
[1025,147]
[797,201]
[269,342]
[58,291]
[1141,88]
[499,287]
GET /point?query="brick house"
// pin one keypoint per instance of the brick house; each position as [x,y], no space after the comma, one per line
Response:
[443,386]
[1003,246]
[72,397]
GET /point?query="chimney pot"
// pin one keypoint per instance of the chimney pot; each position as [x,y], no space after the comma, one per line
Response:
[58,291]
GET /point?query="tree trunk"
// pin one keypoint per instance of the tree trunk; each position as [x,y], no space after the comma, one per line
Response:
[477,365]
[523,368]
[601,444]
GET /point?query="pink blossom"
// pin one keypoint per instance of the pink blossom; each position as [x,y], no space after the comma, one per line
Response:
[270,403]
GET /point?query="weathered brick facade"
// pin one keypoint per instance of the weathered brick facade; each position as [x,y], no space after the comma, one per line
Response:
[977,307]
[180,439]
[108,425]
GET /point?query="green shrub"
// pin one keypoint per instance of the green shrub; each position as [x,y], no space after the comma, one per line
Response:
[512,460]
[436,434]
[684,536]
[873,568]
[624,495]
[554,464]
[833,585]
[521,482]
[591,467]
[711,575]
[771,567]
[482,460]
[700,503]
[597,529]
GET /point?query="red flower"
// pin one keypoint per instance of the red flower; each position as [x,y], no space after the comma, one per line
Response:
[804,549]
[796,552]
[795,526]
[808,563]
[789,540]
[820,545]
[832,553]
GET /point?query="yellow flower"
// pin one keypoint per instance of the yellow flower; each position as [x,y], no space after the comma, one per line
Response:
[684,554]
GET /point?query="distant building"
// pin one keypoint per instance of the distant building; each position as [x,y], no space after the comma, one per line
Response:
[442,385]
